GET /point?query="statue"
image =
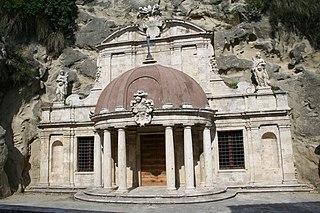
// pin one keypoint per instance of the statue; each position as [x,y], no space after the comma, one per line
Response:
[151,20]
[259,71]
[62,85]
[141,108]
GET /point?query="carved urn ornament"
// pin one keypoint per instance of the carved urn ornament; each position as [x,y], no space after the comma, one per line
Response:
[151,22]
[141,108]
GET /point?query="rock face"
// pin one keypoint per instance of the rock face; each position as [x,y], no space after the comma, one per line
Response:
[4,184]
[292,64]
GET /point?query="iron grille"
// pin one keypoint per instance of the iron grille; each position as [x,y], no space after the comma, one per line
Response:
[85,154]
[231,152]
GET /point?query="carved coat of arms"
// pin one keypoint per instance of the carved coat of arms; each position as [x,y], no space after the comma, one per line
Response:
[141,108]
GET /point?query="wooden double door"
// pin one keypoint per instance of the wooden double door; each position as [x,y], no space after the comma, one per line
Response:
[153,160]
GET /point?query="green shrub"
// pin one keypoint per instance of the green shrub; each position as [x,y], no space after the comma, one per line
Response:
[254,9]
[45,20]
[298,16]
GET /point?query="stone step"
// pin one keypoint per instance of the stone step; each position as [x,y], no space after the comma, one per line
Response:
[52,189]
[156,193]
[156,200]
[274,188]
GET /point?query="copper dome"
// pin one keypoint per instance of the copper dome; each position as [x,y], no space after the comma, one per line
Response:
[163,84]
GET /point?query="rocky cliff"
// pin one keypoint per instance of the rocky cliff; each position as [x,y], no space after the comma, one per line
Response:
[293,65]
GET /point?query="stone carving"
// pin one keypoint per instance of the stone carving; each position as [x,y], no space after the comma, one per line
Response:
[213,63]
[43,71]
[259,71]
[142,108]
[62,85]
[151,20]
[98,74]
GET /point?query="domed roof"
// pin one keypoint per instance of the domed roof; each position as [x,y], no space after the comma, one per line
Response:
[163,84]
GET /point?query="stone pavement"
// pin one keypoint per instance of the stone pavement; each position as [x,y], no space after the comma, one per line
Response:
[243,202]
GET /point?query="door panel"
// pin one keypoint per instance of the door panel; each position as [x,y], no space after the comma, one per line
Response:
[153,163]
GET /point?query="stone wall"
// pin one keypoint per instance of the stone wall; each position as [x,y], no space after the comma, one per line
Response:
[293,66]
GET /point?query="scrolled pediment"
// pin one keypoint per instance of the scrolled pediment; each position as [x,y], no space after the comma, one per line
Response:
[170,28]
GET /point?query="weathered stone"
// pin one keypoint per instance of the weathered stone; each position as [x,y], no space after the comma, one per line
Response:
[232,63]
[70,56]
[87,68]
[4,184]
[298,69]
[296,55]
[93,31]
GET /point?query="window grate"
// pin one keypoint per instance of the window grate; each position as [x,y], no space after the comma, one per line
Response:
[85,154]
[231,151]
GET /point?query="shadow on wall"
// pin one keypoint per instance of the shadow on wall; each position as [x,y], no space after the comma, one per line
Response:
[17,165]
[317,152]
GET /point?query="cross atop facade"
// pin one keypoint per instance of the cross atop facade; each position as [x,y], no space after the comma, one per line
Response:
[149,58]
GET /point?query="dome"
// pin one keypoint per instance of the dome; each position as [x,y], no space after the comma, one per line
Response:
[163,84]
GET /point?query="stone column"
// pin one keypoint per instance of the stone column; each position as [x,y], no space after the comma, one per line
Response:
[44,159]
[97,160]
[107,159]
[287,155]
[122,161]
[170,168]
[207,151]
[188,158]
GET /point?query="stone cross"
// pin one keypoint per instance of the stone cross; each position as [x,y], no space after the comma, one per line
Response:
[149,57]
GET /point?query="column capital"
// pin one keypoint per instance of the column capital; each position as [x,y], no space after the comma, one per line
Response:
[187,126]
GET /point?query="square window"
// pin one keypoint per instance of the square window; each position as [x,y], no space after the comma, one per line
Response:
[231,151]
[85,154]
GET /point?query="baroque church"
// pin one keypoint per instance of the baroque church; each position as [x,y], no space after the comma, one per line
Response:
[159,115]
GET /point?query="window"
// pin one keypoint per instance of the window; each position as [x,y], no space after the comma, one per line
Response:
[231,152]
[85,154]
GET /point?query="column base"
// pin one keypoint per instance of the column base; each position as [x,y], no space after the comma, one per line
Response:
[188,190]
[169,189]
[121,191]
[43,184]
[107,189]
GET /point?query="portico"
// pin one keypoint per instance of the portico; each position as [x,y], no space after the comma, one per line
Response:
[164,122]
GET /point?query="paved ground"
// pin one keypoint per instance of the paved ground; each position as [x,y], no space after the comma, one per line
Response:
[253,202]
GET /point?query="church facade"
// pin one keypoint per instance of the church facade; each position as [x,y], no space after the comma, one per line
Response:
[167,119]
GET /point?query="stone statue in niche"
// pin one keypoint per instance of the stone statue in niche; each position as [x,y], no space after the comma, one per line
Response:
[259,71]
[151,20]
[141,108]
[62,85]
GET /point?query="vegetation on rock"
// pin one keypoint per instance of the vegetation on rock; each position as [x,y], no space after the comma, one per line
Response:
[50,22]
[301,17]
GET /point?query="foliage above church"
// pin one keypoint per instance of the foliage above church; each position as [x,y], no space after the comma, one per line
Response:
[47,21]
[298,16]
